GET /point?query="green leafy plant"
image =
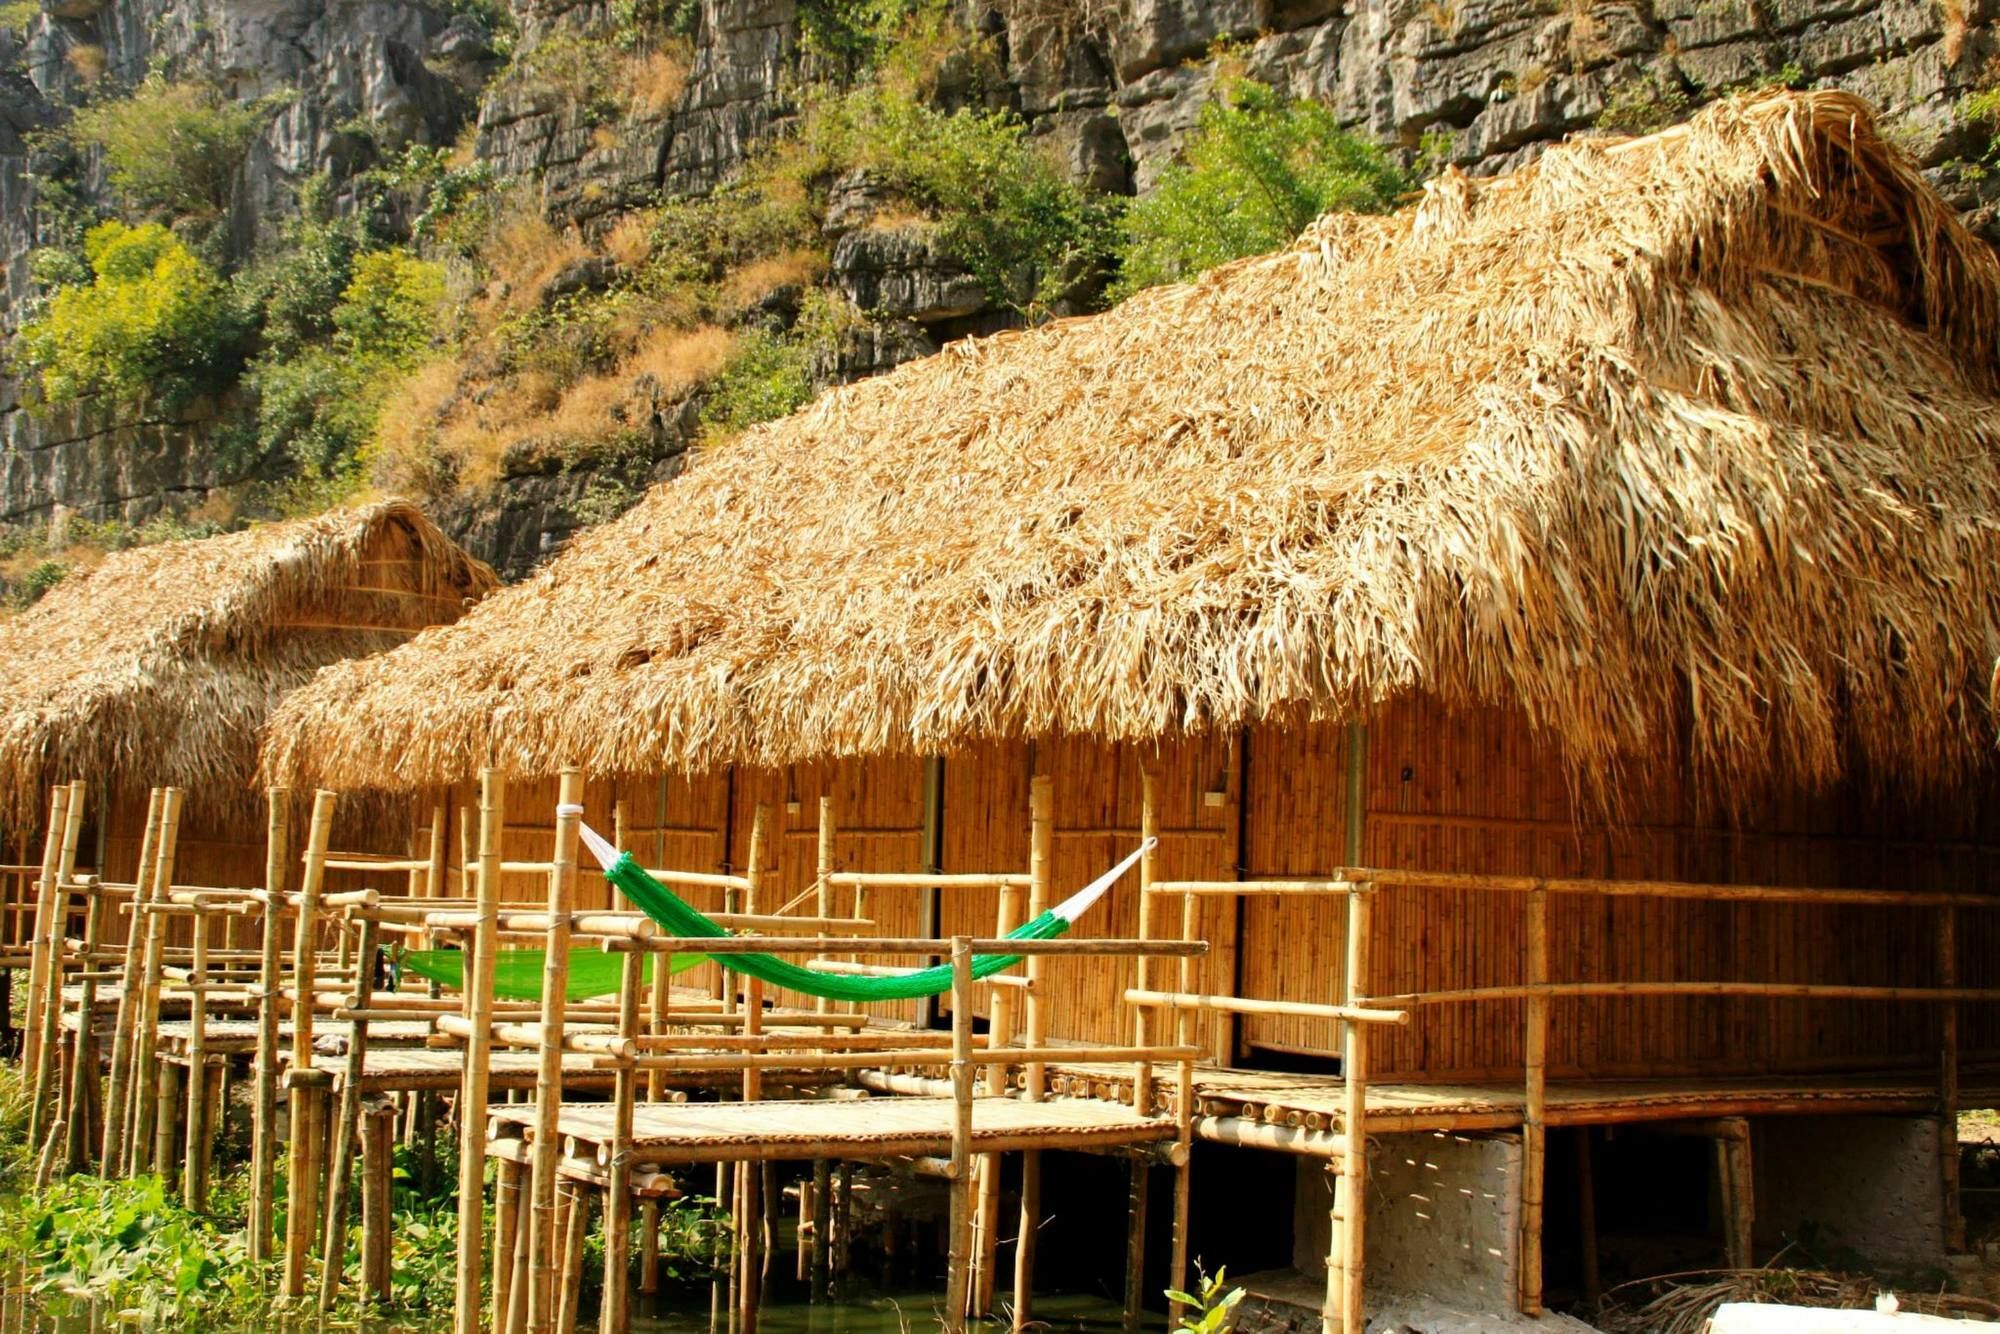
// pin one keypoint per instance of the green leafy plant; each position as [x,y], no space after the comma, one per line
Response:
[1214,1307]
[172,148]
[1644,104]
[1258,168]
[154,323]
[768,377]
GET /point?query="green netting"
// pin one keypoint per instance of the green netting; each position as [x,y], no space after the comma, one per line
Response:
[517,974]
[678,917]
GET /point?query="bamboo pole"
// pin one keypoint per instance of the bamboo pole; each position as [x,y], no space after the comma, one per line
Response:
[958,1275]
[999,1034]
[544,1148]
[574,1213]
[749,1202]
[1351,1189]
[83,1086]
[1586,1212]
[506,1238]
[51,1012]
[1534,1130]
[1135,1242]
[473,1091]
[145,1038]
[377,1140]
[1142,1018]
[1948,1164]
[302,1184]
[122,1082]
[38,959]
[194,1183]
[1041,822]
[347,1122]
[615,1315]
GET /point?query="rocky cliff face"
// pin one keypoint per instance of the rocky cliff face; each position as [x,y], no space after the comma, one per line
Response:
[1111,86]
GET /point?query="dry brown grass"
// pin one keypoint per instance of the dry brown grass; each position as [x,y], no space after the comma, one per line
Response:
[630,240]
[655,80]
[752,282]
[1680,444]
[680,359]
[88,61]
[526,252]
[1957,26]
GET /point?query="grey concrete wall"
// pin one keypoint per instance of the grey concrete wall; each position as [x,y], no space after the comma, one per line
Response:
[1443,1218]
[1869,1183]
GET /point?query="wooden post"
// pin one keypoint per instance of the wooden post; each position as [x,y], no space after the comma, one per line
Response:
[112,1151]
[1534,1131]
[544,1148]
[51,1013]
[1347,1310]
[302,1183]
[142,1140]
[264,1104]
[1732,1165]
[194,1183]
[615,1315]
[1135,1242]
[506,1237]
[473,1091]
[333,1245]
[1948,1155]
[1041,838]
[377,1141]
[38,945]
[958,1276]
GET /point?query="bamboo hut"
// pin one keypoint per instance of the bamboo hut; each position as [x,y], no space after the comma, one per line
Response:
[159,666]
[1606,549]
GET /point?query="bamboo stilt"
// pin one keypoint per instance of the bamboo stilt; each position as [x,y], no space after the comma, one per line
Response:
[575,1214]
[83,1088]
[1034,1076]
[1135,1242]
[958,1276]
[615,1317]
[167,1098]
[750,1200]
[377,1137]
[347,1121]
[112,1151]
[1534,1130]
[264,1065]
[145,1038]
[302,1184]
[1345,1291]
[1948,1155]
[38,945]
[194,1183]
[51,1008]
[1732,1166]
[543,1147]
[506,1238]
[822,1232]
[474,1091]
[1586,1209]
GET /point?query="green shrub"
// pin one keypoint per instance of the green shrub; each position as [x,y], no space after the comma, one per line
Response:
[154,322]
[171,148]
[297,287]
[390,307]
[1004,208]
[1256,171]
[38,581]
[767,378]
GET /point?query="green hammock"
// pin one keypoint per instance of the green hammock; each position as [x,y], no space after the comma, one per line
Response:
[517,974]
[681,919]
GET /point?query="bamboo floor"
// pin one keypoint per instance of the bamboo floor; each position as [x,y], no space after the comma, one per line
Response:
[1314,1101]
[863,1128]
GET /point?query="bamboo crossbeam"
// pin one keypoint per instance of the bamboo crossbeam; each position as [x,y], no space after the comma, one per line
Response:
[1365,1014]
[1774,990]
[861,1060]
[1668,889]
[699,879]
[1249,888]
[850,968]
[925,880]
[363,861]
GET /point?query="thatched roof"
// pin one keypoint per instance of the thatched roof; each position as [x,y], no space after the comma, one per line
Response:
[1687,437]
[160,665]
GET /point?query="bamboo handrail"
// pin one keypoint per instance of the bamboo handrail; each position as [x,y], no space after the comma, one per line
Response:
[1771,990]
[1666,889]
[927,880]
[1353,1014]
[1089,946]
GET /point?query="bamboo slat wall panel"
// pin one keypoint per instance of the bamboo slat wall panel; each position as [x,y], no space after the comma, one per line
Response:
[879,818]
[1097,800]
[1475,792]
[682,824]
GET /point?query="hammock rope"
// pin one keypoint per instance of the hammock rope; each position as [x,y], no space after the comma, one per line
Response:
[680,918]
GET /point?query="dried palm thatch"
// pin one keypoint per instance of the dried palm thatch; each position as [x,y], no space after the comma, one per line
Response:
[160,665]
[1685,1303]
[1682,439]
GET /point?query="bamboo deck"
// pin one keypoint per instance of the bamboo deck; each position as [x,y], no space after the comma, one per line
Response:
[1314,1101]
[854,1129]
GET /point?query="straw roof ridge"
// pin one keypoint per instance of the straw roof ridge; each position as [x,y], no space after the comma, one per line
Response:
[1680,442]
[159,665]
